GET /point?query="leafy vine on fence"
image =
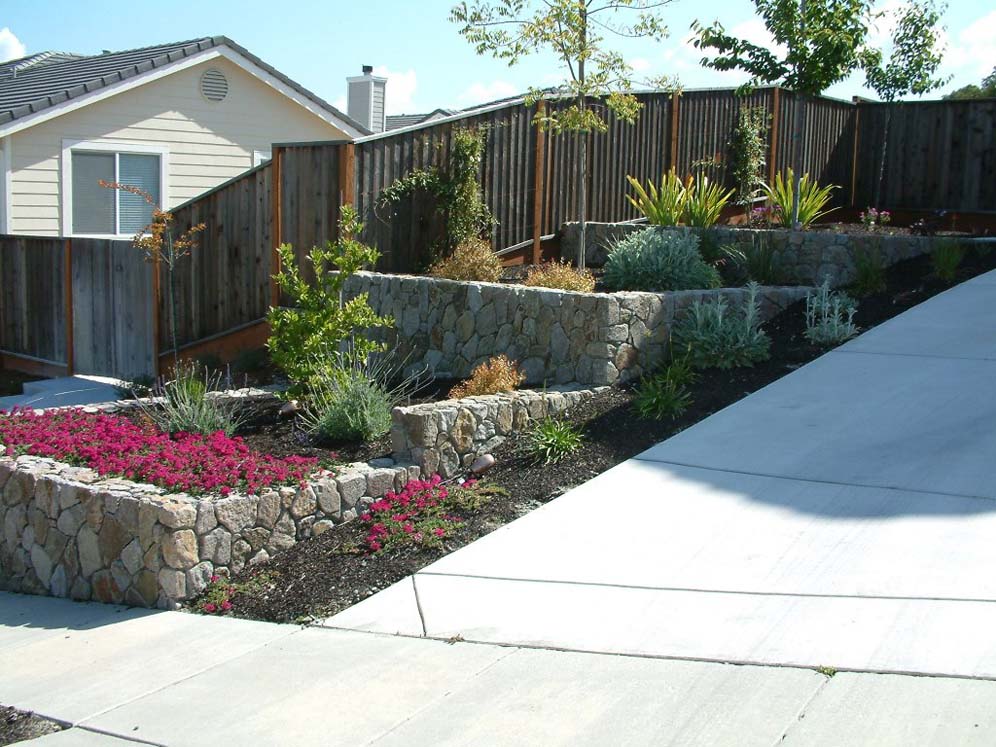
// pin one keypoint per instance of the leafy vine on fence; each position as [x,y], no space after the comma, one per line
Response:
[457,189]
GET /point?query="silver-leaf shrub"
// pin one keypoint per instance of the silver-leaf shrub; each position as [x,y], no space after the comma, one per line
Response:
[714,335]
[829,316]
[657,260]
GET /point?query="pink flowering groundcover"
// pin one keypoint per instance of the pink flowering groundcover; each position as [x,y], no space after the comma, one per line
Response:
[114,446]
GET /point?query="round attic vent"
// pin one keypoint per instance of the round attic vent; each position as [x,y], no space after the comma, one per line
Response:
[214,85]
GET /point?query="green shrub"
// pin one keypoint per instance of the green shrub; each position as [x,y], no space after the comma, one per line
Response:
[184,404]
[658,260]
[665,394]
[663,206]
[345,405]
[946,257]
[472,260]
[829,316]
[869,272]
[552,439]
[812,198]
[713,335]
[705,202]
[755,262]
[319,318]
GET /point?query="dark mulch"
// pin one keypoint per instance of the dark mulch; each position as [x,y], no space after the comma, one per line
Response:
[313,580]
[18,726]
[11,382]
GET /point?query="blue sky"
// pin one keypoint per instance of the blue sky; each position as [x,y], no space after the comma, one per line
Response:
[428,64]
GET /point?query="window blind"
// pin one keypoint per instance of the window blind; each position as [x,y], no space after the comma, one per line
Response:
[93,205]
[137,171]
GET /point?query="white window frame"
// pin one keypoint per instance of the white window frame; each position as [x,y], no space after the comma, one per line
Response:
[103,146]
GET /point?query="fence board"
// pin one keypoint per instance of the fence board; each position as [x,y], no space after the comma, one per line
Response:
[32,297]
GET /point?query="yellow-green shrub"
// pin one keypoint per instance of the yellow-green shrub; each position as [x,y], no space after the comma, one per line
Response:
[471,260]
[560,275]
[499,374]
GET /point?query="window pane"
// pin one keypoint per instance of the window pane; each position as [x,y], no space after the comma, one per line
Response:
[141,172]
[93,205]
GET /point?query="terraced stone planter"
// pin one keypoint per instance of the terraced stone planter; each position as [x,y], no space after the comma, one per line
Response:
[808,256]
[558,337]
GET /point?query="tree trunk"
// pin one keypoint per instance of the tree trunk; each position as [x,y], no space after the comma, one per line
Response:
[171,255]
[881,161]
[798,131]
[582,151]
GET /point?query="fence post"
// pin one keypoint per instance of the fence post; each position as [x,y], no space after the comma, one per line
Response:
[854,153]
[157,300]
[776,116]
[675,98]
[67,280]
[276,226]
[539,184]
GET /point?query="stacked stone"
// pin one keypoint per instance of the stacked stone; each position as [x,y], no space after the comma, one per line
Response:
[557,337]
[807,256]
[446,437]
[67,532]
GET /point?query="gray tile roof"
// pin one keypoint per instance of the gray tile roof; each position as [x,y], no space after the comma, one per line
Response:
[51,78]
[396,121]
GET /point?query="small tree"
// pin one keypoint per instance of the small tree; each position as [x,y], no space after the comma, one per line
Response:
[824,42]
[159,245]
[321,318]
[911,68]
[572,30]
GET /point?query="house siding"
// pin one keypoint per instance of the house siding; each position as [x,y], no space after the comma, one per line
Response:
[208,142]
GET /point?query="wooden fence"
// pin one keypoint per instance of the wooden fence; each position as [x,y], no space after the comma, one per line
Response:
[940,155]
[76,306]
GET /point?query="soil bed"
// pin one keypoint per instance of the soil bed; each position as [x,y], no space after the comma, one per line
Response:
[316,579]
[18,726]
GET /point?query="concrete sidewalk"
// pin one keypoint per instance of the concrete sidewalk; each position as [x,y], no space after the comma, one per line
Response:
[64,391]
[122,677]
[841,517]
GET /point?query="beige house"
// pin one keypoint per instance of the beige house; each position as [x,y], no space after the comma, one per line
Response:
[175,120]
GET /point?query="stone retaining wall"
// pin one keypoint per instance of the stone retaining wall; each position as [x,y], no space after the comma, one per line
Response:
[446,436]
[68,532]
[558,337]
[805,256]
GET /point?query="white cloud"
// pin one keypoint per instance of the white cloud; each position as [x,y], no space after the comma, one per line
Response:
[973,50]
[10,46]
[400,93]
[480,93]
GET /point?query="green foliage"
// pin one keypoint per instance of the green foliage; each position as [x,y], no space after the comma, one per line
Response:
[914,60]
[757,262]
[824,41]
[695,202]
[946,258]
[572,31]
[552,439]
[829,316]
[457,189]
[320,318]
[713,335]
[345,405]
[658,260]
[665,394]
[812,197]
[663,206]
[748,153]
[183,404]
[987,90]
[869,272]
[705,202]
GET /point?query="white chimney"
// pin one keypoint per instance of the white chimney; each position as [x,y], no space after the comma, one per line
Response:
[365,100]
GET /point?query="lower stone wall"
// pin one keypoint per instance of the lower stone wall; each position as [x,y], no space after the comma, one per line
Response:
[804,256]
[558,337]
[446,437]
[68,532]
